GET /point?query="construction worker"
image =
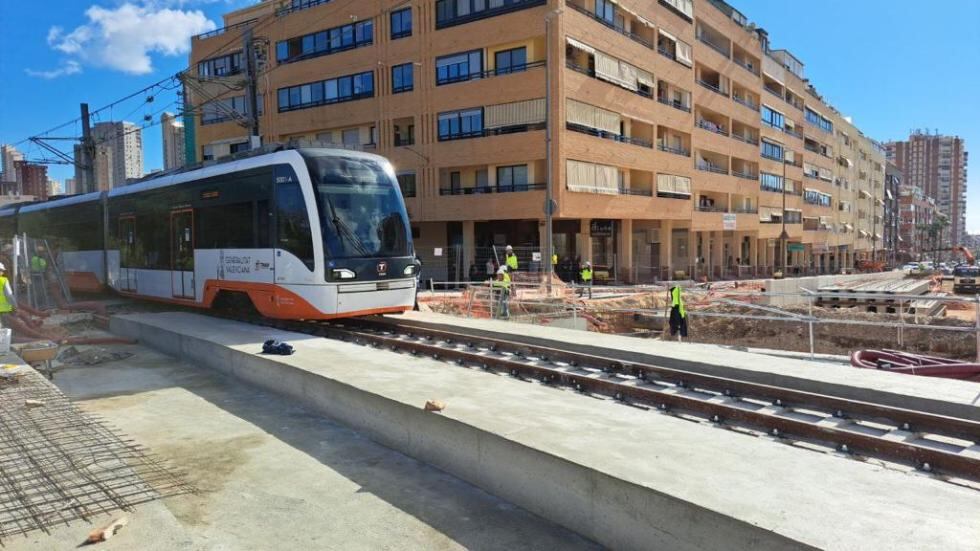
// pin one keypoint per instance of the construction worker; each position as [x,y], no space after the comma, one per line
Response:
[511,259]
[38,264]
[678,314]
[502,284]
[8,303]
[586,275]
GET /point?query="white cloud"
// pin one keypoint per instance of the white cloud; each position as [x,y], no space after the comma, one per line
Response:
[68,67]
[123,38]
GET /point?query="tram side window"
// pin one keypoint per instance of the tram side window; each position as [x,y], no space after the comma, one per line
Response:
[153,242]
[293,223]
[225,227]
[263,215]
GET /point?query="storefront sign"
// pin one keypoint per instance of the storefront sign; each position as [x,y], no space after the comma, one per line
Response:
[601,228]
[795,247]
[728,221]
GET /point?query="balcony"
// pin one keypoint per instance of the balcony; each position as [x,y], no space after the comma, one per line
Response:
[591,73]
[709,161]
[477,75]
[713,87]
[745,60]
[713,39]
[712,127]
[447,16]
[608,135]
[745,101]
[674,103]
[631,35]
[745,133]
[482,133]
[479,190]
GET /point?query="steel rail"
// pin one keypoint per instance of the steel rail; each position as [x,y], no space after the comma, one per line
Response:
[727,400]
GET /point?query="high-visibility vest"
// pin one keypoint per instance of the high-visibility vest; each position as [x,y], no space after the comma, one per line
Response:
[586,274]
[512,261]
[38,264]
[5,305]
[677,301]
[503,283]
[554,260]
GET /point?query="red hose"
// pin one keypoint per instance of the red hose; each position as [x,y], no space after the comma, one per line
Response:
[915,364]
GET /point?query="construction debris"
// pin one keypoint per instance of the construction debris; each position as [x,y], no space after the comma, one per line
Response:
[33,403]
[434,405]
[90,356]
[107,531]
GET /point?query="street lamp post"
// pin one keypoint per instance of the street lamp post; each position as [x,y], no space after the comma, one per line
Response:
[784,236]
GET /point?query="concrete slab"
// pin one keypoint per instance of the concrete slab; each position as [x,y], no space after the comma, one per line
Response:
[625,477]
[275,475]
[943,396]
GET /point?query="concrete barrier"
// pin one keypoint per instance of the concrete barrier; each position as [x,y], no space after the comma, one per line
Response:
[793,286]
[612,510]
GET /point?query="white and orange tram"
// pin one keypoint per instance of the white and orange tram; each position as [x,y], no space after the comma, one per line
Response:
[300,233]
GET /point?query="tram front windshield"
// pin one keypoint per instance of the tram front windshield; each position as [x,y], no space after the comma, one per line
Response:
[362,214]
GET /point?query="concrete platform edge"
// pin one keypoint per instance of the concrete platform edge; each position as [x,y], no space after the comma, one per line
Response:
[613,512]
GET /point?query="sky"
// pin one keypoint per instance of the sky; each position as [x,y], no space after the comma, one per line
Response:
[892,65]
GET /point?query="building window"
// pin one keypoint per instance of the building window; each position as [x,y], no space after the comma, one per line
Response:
[512,178]
[221,110]
[406,181]
[330,41]
[819,120]
[402,78]
[225,65]
[238,147]
[404,134]
[459,67]
[510,61]
[457,12]
[324,92]
[771,117]
[606,11]
[770,182]
[772,150]
[456,125]
[401,23]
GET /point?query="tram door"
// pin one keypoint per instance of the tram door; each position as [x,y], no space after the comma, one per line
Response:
[182,253]
[127,253]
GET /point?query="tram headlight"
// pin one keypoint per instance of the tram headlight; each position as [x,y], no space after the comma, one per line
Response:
[343,273]
[409,270]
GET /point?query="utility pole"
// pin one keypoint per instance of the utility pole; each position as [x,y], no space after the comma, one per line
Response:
[251,88]
[87,162]
[549,202]
[787,155]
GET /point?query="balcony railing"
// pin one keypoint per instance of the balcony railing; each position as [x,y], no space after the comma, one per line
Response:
[591,72]
[712,127]
[712,87]
[708,167]
[491,132]
[511,188]
[746,175]
[745,210]
[776,93]
[674,150]
[718,48]
[745,65]
[634,37]
[640,192]
[477,75]
[607,135]
[400,142]
[223,30]
[746,139]
[710,208]
[746,102]
[512,6]
[793,132]
[765,155]
[674,103]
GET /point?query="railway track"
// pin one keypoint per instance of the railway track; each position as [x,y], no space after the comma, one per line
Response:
[942,445]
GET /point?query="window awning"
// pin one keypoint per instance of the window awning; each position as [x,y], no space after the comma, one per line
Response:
[518,113]
[849,227]
[633,13]
[684,55]
[645,78]
[877,236]
[579,45]
[881,203]
[793,210]
[667,34]
[864,193]
[673,185]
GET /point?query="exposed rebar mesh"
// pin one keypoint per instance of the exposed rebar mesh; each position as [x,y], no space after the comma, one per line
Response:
[59,463]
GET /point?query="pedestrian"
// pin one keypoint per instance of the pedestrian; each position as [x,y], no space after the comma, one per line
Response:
[474,273]
[511,259]
[678,314]
[8,303]
[418,280]
[502,285]
[586,276]
[491,269]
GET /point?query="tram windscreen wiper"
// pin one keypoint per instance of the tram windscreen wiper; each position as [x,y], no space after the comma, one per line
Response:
[344,231]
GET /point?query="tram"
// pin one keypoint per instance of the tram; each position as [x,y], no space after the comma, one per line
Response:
[305,233]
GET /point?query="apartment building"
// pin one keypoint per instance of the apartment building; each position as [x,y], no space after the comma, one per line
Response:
[32,179]
[917,211]
[891,236]
[682,141]
[172,132]
[936,164]
[118,156]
